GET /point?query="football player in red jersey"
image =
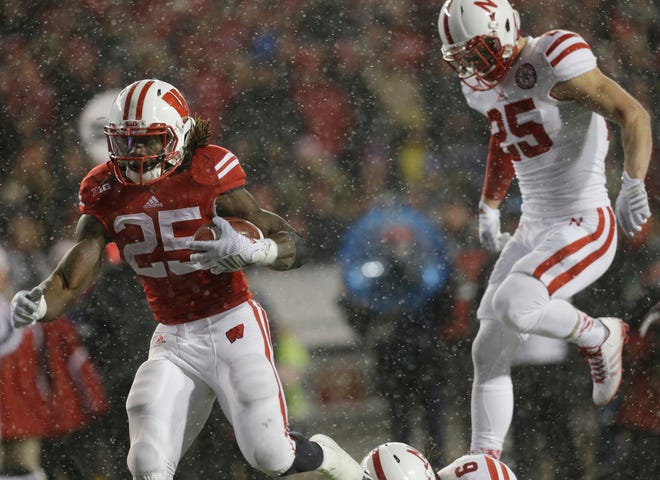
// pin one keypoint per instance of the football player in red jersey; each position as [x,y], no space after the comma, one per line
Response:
[212,342]
[546,102]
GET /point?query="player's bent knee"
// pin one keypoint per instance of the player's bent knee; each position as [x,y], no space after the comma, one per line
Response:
[253,378]
[518,301]
[273,456]
[144,460]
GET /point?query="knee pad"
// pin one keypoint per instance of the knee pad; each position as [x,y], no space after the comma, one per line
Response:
[493,350]
[144,460]
[519,300]
[253,378]
[273,456]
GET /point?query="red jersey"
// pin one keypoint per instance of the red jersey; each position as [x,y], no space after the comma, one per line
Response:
[153,224]
[49,386]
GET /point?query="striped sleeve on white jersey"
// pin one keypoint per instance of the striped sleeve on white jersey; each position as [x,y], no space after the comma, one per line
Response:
[568,54]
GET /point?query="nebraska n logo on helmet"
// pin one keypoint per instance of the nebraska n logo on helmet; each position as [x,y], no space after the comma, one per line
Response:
[479,39]
[147,131]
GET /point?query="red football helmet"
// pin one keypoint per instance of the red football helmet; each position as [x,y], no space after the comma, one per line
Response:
[147,131]
[479,39]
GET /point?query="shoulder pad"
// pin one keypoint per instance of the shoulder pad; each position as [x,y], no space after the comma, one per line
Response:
[567,53]
[214,165]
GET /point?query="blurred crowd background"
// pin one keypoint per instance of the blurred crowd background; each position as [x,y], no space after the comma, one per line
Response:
[329,105]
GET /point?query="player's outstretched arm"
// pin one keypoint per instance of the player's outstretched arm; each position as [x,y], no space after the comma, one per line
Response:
[604,96]
[75,273]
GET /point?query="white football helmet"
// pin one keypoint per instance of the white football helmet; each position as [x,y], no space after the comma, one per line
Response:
[476,467]
[396,461]
[147,131]
[479,39]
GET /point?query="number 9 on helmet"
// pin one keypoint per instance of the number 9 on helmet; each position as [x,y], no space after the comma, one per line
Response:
[476,467]
[396,461]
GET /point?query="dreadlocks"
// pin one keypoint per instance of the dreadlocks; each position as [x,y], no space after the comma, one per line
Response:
[198,137]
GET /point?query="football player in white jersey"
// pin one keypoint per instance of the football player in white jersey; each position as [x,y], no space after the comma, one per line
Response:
[547,103]
[399,461]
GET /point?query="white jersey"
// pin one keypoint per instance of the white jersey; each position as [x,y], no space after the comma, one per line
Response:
[476,467]
[559,147]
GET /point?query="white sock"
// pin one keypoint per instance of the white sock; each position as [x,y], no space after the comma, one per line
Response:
[492,411]
[588,332]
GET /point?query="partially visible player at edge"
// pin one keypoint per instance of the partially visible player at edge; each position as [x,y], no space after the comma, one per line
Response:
[546,102]
[212,341]
[400,461]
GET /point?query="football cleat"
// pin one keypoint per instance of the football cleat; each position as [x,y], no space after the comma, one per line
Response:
[606,362]
[337,464]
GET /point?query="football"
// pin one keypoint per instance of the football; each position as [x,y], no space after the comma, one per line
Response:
[210,232]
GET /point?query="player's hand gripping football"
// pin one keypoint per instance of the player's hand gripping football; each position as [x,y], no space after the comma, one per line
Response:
[490,235]
[632,205]
[27,307]
[231,251]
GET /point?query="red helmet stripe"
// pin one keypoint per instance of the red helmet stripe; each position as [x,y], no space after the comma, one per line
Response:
[378,466]
[505,471]
[492,468]
[445,24]
[177,102]
[127,103]
[140,102]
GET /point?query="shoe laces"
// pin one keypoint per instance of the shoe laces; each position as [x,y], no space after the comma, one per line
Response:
[597,363]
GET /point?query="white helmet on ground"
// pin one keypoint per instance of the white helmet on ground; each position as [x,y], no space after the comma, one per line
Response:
[479,39]
[396,461]
[147,131]
[476,467]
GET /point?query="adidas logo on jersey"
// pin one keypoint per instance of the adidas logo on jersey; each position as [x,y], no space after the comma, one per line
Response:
[153,202]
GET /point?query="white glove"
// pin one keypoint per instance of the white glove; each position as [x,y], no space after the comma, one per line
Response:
[232,251]
[490,235]
[27,308]
[632,205]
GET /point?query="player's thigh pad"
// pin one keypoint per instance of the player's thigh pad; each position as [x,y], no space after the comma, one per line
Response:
[569,255]
[165,407]
[259,414]
[253,378]
[514,250]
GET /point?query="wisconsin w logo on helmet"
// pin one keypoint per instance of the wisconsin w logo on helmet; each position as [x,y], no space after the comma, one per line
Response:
[147,131]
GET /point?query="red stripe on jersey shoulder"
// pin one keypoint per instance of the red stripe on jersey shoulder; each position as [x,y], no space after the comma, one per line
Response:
[559,41]
[568,51]
[492,468]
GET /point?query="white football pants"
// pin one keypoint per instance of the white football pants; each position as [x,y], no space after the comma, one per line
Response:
[228,357]
[544,263]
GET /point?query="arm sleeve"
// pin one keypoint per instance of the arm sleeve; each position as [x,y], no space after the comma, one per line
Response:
[499,171]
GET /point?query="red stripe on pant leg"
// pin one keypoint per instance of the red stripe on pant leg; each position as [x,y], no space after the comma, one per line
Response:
[570,249]
[579,267]
[260,315]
